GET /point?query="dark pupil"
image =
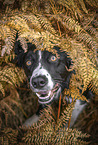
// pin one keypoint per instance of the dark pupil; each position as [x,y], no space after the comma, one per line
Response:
[29,62]
[53,57]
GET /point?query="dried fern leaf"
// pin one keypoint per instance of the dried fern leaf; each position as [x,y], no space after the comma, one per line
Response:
[8,36]
[69,137]
[94,83]
[92,3]
[2,89]
[90,42]
[32,22]
[18,23]
[7,58]
[81,2]
[46,25]
[63,120]
[11,75]
[68,22]
[9,136]
[52,132]
[86,71]
[7,106]
[72,6]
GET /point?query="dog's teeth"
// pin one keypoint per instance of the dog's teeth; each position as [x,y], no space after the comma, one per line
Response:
[46,97]
[49,93]
[38,94]
[46,102]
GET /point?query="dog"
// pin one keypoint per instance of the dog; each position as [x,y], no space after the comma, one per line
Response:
[48,76]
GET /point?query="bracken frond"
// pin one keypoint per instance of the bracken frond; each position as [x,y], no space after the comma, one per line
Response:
[2,89]
[7,58]
[8,136]
[52,131]
[8,36]
[71,25]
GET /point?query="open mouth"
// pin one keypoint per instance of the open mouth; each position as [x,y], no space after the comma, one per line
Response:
[46,97]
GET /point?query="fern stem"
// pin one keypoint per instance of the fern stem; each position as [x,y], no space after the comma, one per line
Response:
[59,108]
[55,12]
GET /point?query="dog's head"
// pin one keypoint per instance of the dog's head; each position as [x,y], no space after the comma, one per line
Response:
[47,72]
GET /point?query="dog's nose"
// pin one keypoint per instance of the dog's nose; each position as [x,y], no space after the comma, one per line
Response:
[39,82]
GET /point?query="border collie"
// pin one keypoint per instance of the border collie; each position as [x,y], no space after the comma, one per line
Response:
[48,75]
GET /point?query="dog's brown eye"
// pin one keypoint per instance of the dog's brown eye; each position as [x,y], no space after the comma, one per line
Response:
[28,62]
[53,58]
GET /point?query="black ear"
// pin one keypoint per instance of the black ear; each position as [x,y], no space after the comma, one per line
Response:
[18,48]
[19,54]
[31,46]
[69,62]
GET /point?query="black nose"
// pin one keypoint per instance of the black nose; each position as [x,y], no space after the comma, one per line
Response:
[39,82]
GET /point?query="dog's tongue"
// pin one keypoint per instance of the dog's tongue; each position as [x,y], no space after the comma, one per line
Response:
[43,95]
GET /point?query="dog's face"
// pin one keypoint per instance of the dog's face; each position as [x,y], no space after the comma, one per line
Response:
[47,73]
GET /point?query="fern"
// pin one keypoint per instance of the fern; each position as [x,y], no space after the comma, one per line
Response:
[11,75]
[52,131]
[71,25]
[8,36]
[9,136]
[7,58]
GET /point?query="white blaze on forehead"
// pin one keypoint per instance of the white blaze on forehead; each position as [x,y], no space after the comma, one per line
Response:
[40,55]
[40,71]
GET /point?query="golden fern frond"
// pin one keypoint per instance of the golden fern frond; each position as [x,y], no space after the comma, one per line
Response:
[90,43]
[86,71]
[67,22]
[65,116]
[51,131]
[45,24]
[69,137]
[72,6]
[75,85]
[17,22]
[94,83]
[81,2]
[32,22]
[11,75]
[92,3]
[92,31]
[8,136]
[2,89]
[5,104]
[75,93]
[10,106]
[7,58]
[7,34]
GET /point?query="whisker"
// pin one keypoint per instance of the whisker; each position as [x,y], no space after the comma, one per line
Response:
[61,83]
[60,80]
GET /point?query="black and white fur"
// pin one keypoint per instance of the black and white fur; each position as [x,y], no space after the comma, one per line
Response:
[47,75]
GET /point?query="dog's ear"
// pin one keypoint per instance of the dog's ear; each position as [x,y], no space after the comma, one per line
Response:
[69,62]
[31,46]
[19,54]
[18,48]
